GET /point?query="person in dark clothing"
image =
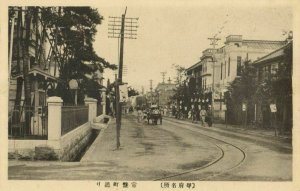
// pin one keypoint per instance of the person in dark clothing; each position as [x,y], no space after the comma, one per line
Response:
[209,116]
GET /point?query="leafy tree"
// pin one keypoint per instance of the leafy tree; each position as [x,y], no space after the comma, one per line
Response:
[71,32]
[182,93]
[241,90]
[181,73]
[276,87]
[74,31]
[132,91]
[17,55]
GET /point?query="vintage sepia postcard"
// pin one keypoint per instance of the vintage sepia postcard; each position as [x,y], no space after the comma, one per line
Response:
[149,95]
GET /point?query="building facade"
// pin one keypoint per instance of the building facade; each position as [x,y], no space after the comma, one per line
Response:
[164,92]
[222,65]
[274,74]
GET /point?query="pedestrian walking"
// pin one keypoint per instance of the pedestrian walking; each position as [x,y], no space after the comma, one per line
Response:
[193,113]
[139,114]
[203,115]
[209,116]
[190,114]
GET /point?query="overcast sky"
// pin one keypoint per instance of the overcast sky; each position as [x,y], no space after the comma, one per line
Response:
[169,34]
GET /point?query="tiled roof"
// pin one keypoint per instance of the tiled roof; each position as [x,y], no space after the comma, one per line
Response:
[277,53]
[194,66]
[165,86]
[263,44]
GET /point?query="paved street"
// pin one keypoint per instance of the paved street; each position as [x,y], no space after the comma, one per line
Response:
[176,150]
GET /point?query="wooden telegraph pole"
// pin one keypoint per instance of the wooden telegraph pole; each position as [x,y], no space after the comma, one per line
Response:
[121,28]
[213,42]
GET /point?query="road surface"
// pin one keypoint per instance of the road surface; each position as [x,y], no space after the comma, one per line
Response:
[175,150]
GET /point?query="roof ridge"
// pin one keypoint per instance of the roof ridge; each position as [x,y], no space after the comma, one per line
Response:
[283,47]
[271,41]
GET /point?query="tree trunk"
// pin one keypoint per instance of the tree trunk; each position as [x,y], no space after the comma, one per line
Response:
[26,63]
[36,21]
[16,115]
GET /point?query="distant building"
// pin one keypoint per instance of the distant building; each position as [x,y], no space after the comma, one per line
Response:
[163,93]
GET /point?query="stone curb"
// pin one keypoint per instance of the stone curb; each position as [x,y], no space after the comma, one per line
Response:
[234,134]
[235,130]
[94,144]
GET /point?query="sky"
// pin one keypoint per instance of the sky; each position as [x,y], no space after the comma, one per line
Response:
[170,34]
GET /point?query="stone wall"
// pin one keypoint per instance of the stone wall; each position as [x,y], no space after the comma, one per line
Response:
[75,142]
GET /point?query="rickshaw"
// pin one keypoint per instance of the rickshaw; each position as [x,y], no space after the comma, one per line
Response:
[154,115]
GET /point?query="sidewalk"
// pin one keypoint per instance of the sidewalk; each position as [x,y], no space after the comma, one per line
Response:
[267,134]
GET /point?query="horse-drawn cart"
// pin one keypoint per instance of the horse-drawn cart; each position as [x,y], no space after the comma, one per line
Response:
[154,115]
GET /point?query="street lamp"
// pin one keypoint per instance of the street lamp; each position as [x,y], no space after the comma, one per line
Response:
[73,85]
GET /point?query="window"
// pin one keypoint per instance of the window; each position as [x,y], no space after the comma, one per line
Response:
[221,70]
[229,66]
[266,71]
[274,69]
[239,66]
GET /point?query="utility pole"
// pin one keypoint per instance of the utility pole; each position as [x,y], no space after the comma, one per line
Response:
[151,92]
[121,28]
[163,76]
[151,86]
[169,80]
[213,42]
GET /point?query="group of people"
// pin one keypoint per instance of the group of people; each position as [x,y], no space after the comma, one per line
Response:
[203,115]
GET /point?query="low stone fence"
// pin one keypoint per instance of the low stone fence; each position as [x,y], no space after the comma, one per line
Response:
[58,146]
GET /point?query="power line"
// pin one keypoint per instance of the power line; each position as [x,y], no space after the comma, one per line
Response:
[116,29]
[151,85]
[163,76]
[213,42]
[129,31]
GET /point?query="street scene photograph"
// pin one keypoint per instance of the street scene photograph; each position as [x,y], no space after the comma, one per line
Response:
[165,93]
